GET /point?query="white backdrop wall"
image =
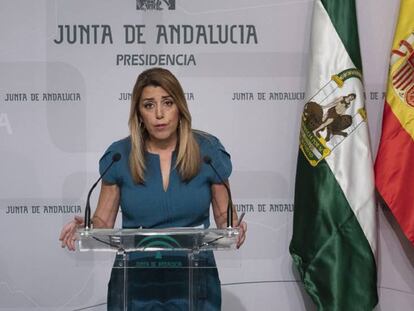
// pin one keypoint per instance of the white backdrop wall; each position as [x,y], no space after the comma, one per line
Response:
[63,100]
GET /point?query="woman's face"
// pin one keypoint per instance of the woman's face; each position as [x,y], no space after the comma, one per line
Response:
[349,98]
[159,114]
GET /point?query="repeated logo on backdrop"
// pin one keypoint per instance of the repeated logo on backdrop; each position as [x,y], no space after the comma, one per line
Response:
[155,5]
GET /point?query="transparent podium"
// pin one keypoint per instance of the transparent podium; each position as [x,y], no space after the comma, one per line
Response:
[160,264]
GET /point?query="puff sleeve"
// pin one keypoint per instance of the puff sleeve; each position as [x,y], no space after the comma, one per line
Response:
[112,175]
[220,159]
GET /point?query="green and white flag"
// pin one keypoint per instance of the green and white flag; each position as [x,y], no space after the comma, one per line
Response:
[334,231]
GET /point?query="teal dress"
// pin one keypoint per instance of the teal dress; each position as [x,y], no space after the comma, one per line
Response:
[183,204]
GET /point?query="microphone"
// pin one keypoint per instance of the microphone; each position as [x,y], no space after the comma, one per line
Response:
[209,161]
[115,158]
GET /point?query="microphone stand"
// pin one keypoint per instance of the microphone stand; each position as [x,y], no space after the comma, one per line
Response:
[208,161]
[116,157]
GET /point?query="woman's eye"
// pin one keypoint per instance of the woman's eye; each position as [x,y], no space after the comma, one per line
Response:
[169,103]
[148,105]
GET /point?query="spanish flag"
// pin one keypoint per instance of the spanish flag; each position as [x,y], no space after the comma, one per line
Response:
[334,228]
[394,171]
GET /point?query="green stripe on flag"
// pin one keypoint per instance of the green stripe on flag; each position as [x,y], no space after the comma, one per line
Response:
[342,14]
[333,249]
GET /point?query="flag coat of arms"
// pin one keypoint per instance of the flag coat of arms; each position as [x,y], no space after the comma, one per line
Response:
[394,175]
[334,229]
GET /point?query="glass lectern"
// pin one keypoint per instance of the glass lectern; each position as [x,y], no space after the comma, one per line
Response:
[179,252]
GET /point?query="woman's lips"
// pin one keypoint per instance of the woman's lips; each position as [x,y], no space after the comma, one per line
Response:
[160,126]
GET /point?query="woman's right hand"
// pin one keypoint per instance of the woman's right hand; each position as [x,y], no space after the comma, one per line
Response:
[68,233]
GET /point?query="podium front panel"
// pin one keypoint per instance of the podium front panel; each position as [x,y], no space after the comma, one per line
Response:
[167,269]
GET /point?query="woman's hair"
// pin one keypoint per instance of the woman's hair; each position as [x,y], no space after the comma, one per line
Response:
[353,95]
[188,153]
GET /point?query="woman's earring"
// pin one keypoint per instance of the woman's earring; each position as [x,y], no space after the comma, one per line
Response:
[141,125]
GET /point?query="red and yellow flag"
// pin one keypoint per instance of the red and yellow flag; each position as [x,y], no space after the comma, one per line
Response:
[394,169]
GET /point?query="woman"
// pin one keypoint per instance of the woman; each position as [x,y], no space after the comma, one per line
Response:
[160,182]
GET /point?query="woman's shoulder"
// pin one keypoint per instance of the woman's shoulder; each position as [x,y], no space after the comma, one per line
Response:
[122,146]
[211,147]
[122,142]
[205,139]
[209,143]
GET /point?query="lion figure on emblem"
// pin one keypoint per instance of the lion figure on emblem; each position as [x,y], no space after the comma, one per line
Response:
[334,120]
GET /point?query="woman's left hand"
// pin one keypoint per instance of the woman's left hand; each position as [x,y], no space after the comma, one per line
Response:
[242,233]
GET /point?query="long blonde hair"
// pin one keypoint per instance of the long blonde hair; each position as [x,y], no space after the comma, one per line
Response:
[188,156]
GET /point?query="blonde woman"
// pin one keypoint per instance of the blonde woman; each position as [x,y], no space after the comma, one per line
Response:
[160,182]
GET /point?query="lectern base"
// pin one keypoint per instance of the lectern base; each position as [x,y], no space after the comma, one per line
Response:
[164,280]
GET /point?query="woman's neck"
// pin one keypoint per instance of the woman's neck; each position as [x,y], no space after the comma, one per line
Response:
[161,146]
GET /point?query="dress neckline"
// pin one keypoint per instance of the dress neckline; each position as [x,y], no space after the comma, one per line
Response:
[157,154]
